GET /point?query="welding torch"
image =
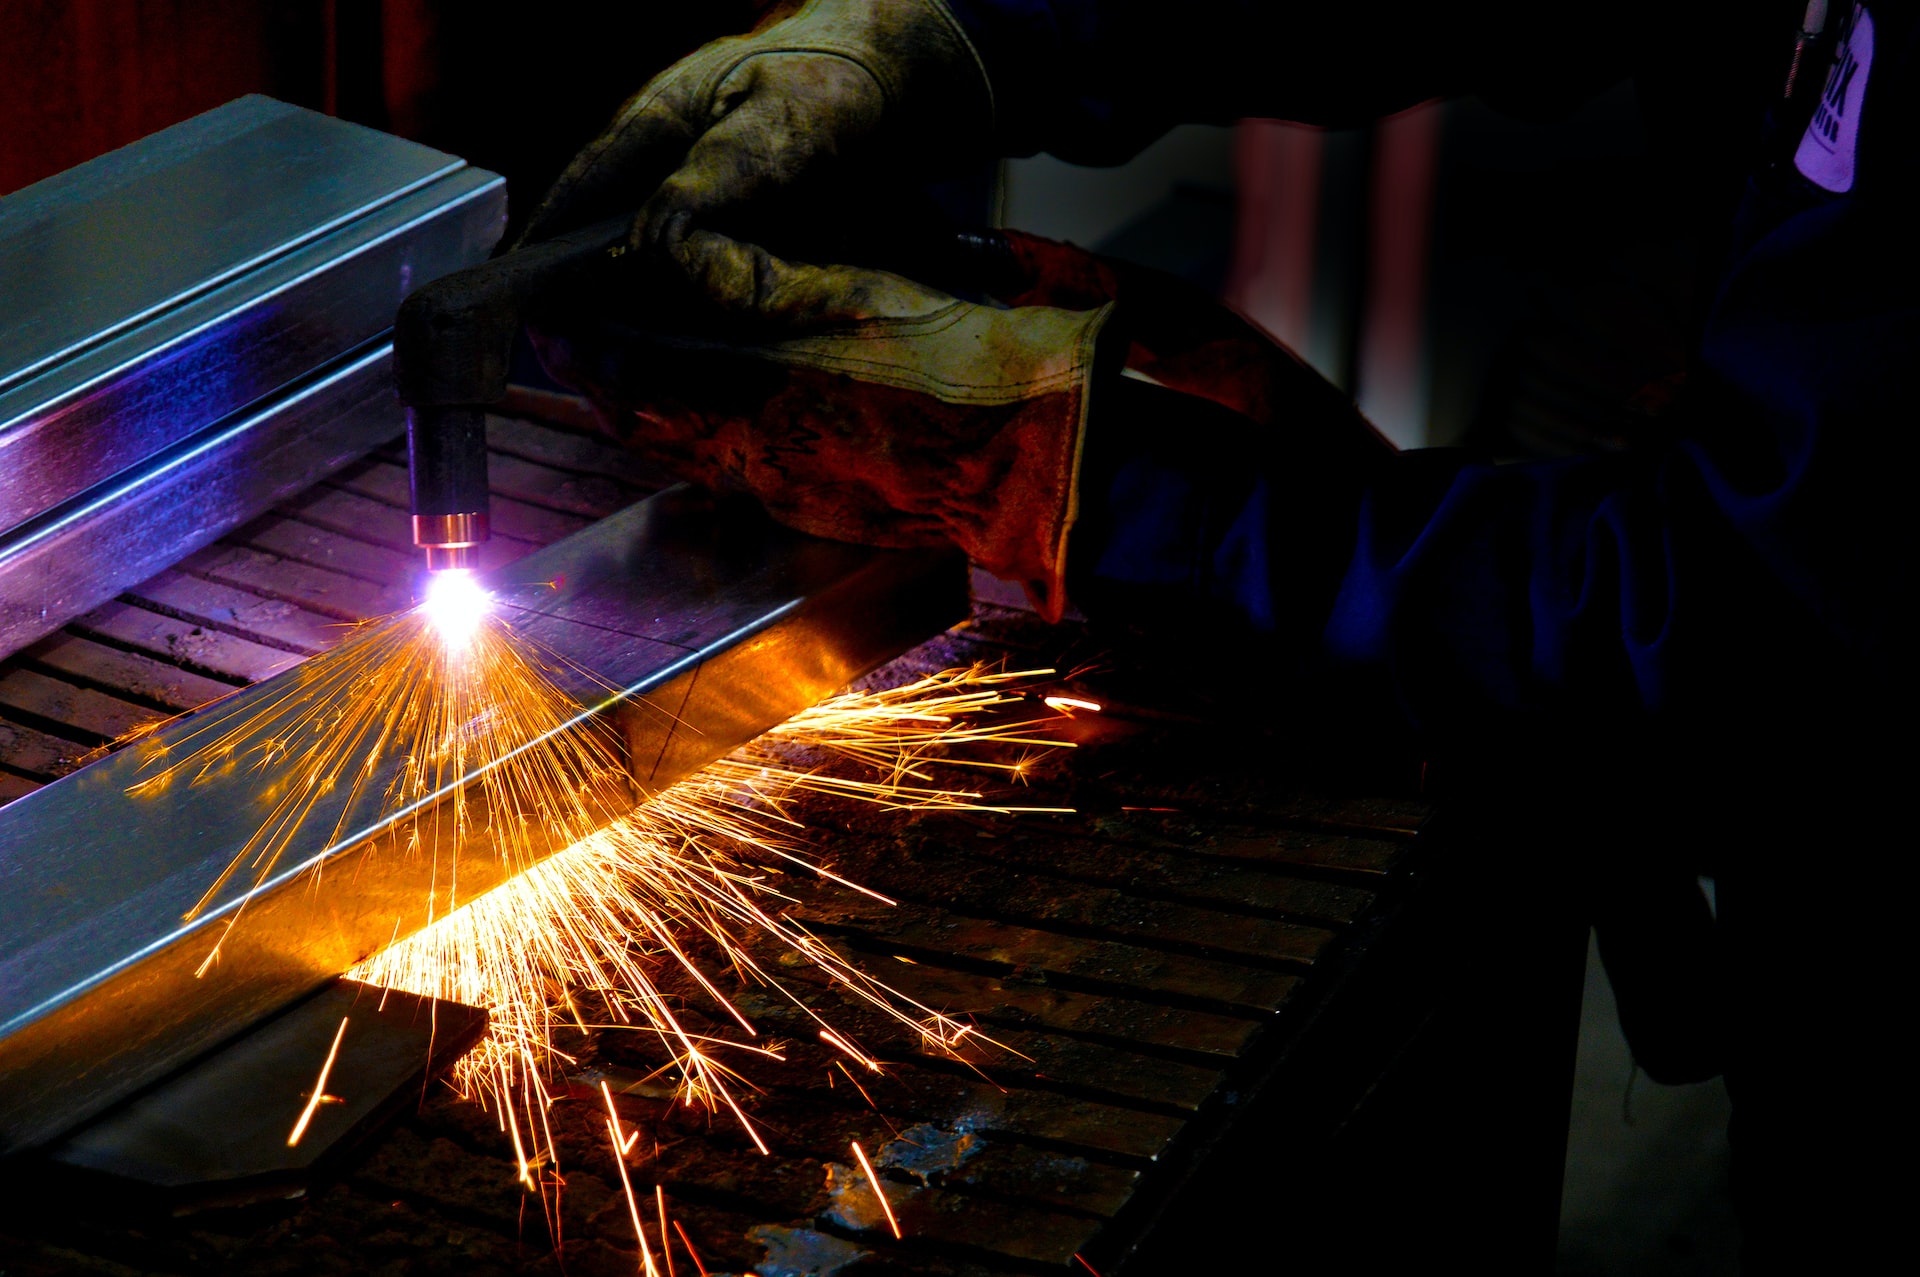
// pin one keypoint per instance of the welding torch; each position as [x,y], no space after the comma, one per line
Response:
[453,340]
[452,343]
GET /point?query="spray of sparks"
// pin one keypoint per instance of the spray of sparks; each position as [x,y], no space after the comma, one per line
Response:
[404,716]
[442,726]
[677,877]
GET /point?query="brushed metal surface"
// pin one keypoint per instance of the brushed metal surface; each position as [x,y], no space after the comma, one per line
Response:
[711,623]
[168,284]
[81,554]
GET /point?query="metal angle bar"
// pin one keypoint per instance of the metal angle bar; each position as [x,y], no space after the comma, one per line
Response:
[163,286]
[124,399]
[710,624]
[81,554]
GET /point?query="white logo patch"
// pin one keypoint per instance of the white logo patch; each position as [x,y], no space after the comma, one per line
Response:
[1825,157]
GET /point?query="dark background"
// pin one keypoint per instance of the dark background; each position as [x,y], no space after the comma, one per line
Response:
[516,94]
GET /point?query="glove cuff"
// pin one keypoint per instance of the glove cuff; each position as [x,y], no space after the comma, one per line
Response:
[963,425]
[1005,393]
[1047,588]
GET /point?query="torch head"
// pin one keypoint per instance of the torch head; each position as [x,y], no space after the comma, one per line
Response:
[452,345]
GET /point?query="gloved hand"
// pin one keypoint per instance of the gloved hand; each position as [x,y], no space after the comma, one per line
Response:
[749,118]
[854,404]
[864,407]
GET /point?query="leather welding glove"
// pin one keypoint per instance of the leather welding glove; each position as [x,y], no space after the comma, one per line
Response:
[854,404]
[749,121]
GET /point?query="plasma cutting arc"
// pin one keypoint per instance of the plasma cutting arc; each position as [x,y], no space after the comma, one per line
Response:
[710,623]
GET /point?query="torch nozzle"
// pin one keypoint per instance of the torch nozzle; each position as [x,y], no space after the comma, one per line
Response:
[451,541]
[440,558]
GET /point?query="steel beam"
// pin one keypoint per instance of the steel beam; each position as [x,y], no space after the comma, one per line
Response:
[712,624]
[85,551]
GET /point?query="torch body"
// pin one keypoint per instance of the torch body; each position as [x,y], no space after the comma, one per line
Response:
[452,343]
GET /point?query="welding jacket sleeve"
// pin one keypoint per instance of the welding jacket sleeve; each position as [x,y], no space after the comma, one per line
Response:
[1738,589]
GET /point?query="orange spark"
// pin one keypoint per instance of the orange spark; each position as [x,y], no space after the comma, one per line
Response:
[633,1206]
[319,1095]
[878,1191]
[868,1098]
[839,1043]
[614,1114]
[1067,704]
[688,1243]
[666,1246]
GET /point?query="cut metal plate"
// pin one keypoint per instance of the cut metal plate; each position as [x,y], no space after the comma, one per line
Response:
[711,623]
[220,1132]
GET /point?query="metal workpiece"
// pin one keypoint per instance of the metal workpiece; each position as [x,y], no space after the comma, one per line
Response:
[702,625]
[765,621]
[195,276]
[84,552]
[165,285]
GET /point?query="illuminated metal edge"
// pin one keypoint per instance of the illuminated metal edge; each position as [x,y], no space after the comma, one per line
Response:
[711,623]
[119,402]
[85,552]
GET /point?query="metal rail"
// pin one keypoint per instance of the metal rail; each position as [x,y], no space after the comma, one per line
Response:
[227,271]
[712,625]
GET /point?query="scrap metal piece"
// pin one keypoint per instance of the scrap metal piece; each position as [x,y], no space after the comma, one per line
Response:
[219,1133]
[711,623]
[162,292]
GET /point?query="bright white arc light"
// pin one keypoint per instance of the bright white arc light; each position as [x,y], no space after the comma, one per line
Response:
[454,604]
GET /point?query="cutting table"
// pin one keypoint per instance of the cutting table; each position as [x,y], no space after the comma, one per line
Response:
[1207,970]
[1251,1012]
